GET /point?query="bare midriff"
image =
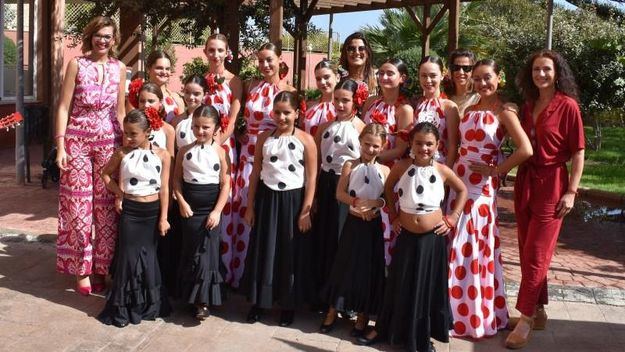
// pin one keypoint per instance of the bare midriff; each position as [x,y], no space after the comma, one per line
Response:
[421,223]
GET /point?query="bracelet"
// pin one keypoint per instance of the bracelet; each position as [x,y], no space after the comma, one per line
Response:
[446,221]
[383,202]
[354,200]
[59,136]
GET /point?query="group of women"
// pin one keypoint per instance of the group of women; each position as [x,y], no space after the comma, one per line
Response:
[364,200]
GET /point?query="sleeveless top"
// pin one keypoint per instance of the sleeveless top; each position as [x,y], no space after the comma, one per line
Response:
[384,114]
[220,97]
[283,163]
[430,110]
[366,181]
[184,132]
[94,104]
[171,108]
[257,113]
[200,164]
[158,138]
[140,172]
[339,143]
[420,190]
[318,114]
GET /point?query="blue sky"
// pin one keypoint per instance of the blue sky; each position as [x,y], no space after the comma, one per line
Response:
[347,23]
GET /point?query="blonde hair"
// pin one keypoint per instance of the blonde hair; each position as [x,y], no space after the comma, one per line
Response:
[95,25]
[376,130]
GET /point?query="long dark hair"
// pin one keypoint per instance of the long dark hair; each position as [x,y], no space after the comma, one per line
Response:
[402,68]
[155,55]
[369,76]
[564,78]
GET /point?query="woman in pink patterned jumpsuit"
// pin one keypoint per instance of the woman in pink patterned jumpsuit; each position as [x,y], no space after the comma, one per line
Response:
[88,129]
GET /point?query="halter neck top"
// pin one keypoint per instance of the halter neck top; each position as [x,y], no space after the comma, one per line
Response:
[318,114]
[283,162]
[366,181]
[420,190]
[339,143]
[200,164]
[140,172]
[158,138]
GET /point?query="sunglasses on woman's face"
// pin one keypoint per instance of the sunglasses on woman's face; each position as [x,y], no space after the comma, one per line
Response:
[353,49]
[465,68]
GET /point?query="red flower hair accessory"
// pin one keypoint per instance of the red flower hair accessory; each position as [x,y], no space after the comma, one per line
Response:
[283,70]
[133,91]
[154,119]
[302,108]
[362,93]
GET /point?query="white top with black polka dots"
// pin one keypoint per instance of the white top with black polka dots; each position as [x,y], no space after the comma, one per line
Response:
[140,172]
[158,138]
[200,164]
[420,190]
[283,163]
[184,132]
[339,143]
[366,181]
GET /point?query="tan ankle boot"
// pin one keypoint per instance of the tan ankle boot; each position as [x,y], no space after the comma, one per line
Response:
[515,340]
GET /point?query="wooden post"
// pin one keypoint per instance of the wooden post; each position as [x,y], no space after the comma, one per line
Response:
[330,36]
[454,24]
[427,20]
[130,36]
[549,23]
[276,8]
[302,30]
[230,27]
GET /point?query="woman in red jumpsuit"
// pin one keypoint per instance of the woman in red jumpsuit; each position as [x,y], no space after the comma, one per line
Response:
[544,190]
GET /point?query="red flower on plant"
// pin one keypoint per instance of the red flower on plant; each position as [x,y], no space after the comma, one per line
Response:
[133,91]
[154,118]
[362,93]
[379,117]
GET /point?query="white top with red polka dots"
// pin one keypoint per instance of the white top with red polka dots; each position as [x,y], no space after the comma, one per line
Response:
[140,172]
[366,181]
[171,108]
[283,163]
[200,164]
[420,190]
[320,113]
[339,143]
[258,115]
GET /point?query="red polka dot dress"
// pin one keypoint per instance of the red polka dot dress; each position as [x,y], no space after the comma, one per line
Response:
[220,97]
[171,108]
[384,114]
[477,294]
[257,113]
[319,113]
[430,110]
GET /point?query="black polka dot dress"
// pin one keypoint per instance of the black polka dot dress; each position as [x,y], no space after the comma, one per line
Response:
[277,263]
[137,292]
[184,132]
[339,143]
[200,272]
[356,279]
[420,190]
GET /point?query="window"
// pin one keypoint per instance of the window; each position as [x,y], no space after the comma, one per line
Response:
[8,47]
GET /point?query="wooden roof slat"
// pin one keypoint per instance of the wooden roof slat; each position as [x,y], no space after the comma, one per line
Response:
[324,7]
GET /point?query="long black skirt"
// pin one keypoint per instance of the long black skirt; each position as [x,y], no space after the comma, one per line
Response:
[327,225]
[169,249]
[356,281]
[416,303]
[199,274]
[277,265]
[137,292]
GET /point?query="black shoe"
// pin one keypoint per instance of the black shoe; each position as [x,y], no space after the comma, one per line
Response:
[254,315]
[326,329]
[364,341]
[201,313]
[432,349]
[357,332]
[286,317]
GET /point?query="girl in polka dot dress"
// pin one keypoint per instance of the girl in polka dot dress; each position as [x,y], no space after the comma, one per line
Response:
[257,115]
[224,94]
[142,198]
[356,279]
[393,111]
[282,186]
[321,111]
[337,142]
[201,186]
[433,108]
[416,303]
[475,264]
[150,96]
[194,90]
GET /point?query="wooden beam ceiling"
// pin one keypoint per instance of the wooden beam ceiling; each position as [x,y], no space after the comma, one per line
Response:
[324,7]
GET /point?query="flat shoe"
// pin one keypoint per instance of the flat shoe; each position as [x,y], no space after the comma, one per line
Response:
[254,315]
[83,290]
[364,341]
[202,313]
[286,318]
[515,341]
[326,329]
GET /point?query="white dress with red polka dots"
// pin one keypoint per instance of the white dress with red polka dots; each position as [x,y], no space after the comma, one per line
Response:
[220,97]
[430,110]
[258,116]
[476,287]
[318,114]
[171,108]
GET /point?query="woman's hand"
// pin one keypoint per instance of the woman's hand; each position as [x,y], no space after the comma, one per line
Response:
[565,204]
[445,225]
[185,210]
[61,159]
[303,222]
[163,227]
[212,220]
[118,204]
[249,216]
[484,169]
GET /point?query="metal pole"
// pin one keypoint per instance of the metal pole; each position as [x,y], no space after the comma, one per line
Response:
[330,36]
[20,146]
[549,23]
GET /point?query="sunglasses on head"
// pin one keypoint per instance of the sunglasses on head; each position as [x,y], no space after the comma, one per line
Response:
[353,49]
[465,68]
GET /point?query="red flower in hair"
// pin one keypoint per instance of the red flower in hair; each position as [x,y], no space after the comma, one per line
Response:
[362,93]
[224,121]
[155,120]
[214,82]
[302,108]
[133,91]
[379,117]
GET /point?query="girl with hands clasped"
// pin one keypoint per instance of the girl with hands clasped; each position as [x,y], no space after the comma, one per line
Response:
[282,186]
[142,198]
[416,304]
[201,186]
[356,278]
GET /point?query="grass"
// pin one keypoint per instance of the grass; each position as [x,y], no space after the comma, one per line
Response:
[605,169]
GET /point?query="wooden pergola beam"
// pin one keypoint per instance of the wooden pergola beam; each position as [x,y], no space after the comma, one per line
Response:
[454,25]
[276,10]
[374,5]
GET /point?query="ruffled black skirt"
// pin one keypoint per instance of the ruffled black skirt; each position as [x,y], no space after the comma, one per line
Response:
[137,292]
[327,225]
[277,266]
[199,274]
[356,281]
[169,249]
[416,303]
